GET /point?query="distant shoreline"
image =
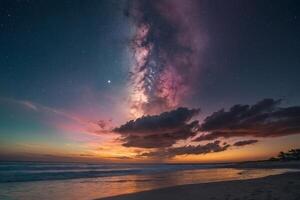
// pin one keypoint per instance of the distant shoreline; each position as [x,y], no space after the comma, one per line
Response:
[267,164]
[284,187]
[149,163]
[260,164]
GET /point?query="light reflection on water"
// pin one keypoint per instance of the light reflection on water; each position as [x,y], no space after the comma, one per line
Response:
[91,188]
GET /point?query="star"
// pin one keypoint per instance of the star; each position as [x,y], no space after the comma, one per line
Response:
[109,81]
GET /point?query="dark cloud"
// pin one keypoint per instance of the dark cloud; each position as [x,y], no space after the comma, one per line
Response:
[244,142]
[119,157]
[85,155]
[166,121]
[264,119]
[186,150]
[162,130]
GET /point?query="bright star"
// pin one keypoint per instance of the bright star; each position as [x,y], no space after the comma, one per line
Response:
[108,81]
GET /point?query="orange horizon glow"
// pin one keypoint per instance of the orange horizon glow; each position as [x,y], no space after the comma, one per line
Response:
[114,152]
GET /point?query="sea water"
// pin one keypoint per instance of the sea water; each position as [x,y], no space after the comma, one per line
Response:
[71,181]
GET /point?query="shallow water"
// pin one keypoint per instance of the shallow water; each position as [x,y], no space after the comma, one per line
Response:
[34,171]
[25,181]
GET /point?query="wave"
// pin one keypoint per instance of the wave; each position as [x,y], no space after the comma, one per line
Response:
[33,171]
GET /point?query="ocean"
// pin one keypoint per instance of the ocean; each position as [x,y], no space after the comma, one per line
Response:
[66,181]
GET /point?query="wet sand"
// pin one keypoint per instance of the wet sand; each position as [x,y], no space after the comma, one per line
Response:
[277,187]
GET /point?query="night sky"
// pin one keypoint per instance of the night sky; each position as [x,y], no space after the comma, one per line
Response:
[136,81]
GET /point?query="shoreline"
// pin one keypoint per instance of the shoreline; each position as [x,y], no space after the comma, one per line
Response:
[275,187]
[266,165]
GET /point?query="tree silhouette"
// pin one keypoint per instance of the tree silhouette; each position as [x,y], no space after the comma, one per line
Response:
[293,154]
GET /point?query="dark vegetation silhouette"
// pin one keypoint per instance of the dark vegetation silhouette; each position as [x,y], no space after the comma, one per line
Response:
[293,154]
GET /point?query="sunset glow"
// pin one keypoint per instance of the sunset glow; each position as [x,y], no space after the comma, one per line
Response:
[147,81]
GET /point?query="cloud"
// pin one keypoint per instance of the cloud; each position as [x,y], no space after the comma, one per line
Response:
[158,131]
[263,119]
[90,126]
[244,142]
[188,150]
[166,121]
[29,105]
[119,157]
[86,155]
[23,103]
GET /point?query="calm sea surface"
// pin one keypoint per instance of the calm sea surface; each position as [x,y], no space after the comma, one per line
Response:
[66,181]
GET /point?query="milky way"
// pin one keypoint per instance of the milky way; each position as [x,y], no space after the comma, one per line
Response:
[166,49]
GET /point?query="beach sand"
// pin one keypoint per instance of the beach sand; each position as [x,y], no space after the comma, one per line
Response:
[277,187]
